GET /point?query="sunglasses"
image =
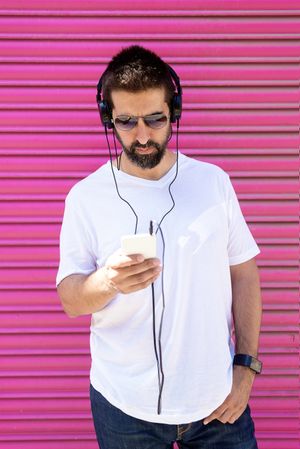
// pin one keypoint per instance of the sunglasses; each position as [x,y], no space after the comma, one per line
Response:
[127,122]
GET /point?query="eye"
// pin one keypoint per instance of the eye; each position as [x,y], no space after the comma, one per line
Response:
[123,119]
[125,122]
[156,120]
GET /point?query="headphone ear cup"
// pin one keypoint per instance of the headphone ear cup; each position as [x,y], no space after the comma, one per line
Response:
[176,108]
[105,114]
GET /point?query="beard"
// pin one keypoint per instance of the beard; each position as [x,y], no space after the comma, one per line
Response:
[145,160]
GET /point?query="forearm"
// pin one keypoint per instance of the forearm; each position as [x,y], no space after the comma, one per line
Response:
[247,312]
[85,294]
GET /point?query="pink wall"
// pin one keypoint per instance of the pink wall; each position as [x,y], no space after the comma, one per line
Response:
[239,66]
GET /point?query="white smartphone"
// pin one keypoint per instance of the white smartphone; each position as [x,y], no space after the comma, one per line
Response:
[144,244]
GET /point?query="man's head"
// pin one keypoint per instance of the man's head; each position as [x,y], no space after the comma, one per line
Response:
[136,69]
[137,83]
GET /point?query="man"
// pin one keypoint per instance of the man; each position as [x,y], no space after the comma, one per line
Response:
[162,354]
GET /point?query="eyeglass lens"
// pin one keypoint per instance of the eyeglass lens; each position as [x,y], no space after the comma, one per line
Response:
[155,121]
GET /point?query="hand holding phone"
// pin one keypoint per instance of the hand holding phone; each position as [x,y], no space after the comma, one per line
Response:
[132,272]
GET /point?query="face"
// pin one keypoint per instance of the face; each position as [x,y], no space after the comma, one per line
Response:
[143,145]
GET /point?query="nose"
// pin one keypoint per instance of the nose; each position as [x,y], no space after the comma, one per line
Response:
[142,132]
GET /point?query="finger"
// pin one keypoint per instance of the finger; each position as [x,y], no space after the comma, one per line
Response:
[232,419]
[231,414]
[140,267]
[121,260]
[141,286]
[142,277]
[216,414]
[235,416]
[125,275]
[227,416]
[123,283]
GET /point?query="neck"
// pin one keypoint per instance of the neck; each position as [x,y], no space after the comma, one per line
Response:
[155,173]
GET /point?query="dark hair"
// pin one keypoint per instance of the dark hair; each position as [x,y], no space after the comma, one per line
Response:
[135,69]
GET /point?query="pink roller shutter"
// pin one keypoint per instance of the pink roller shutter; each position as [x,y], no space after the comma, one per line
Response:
[239,67]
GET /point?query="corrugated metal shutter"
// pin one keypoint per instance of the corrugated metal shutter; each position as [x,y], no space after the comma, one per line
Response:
[239,66]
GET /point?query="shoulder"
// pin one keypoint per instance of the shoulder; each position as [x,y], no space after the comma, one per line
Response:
[206,169]
[87,186]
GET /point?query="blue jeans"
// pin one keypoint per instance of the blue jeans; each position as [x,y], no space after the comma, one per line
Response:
[117,430]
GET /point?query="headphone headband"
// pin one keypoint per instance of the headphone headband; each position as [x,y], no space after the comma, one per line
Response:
[176,102]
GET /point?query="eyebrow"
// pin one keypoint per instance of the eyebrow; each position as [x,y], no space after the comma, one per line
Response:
[154,113]
[146,115]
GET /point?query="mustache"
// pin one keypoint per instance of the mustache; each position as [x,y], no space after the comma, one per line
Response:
[149,144]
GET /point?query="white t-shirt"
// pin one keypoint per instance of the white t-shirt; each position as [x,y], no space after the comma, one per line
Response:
[204,234]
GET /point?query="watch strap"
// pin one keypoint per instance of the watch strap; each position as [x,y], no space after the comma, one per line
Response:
[249,361]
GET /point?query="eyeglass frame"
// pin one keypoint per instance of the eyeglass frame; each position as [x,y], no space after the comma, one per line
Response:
[142,117]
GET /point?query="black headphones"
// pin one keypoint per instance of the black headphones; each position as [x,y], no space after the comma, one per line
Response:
[176,104]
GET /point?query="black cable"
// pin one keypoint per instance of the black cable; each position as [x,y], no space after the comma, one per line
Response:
[161,376]
[161,383]
[118,159]
[113,172]
[155,349]
[176,173]
[159,360]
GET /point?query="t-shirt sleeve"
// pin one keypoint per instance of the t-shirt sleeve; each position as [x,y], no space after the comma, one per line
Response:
[76,255]
[241,244]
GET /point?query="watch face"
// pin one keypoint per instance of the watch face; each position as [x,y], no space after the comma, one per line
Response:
[256,365]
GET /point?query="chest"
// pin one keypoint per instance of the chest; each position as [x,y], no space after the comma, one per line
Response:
[192,221]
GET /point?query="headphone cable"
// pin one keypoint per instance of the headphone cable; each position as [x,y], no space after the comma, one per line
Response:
[161,375]
[114,176]
[118,158]
[158,357]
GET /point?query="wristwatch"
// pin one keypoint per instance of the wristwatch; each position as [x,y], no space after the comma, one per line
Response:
[248,360]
